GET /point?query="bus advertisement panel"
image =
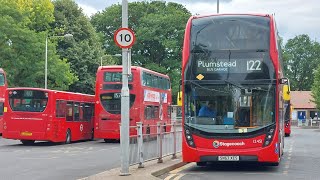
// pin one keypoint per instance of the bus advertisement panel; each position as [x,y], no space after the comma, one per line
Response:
[3,87]
[231,92]
[35,114]
[150,100]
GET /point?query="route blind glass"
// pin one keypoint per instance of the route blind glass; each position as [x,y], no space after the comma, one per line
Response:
[2,80]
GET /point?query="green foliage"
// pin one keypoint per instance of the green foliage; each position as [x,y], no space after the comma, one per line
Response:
[84,51]
[22,49]
[159,28]
[316,87]
[301,56]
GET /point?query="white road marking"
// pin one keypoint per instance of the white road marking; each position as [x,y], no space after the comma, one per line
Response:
[169,177]
[179,177]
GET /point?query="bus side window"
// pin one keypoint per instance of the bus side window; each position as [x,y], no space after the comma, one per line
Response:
[69,111]
[81,112]
[156,114]
[147,112]
[1,108]
[60,108]
[76,113]
[87,112]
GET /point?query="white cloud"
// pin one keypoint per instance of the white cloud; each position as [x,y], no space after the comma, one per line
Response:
[88,10]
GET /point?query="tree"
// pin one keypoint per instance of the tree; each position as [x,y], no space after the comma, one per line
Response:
[159,28]
[301,55]
[84,52]
[22,51]
[316,87]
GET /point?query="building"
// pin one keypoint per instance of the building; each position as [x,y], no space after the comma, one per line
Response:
[303,106]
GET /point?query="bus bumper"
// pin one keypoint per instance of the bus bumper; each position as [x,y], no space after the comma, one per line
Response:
[267,154]
[37,136]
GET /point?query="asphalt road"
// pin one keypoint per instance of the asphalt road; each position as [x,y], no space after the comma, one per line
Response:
[48,161]
[301,160]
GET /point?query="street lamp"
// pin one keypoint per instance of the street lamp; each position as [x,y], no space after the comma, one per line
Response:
[116,55]
[46,62]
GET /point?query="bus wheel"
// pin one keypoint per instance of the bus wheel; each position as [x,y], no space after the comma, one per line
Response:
[201,163]
[287,134]
[107,140]
[27,142]
[68,137]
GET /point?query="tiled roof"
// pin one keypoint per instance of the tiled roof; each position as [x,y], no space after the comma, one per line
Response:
[302,100]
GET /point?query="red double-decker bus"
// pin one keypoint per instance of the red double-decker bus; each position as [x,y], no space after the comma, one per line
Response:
[150,100]
[3,87]
[35,114]
[232,80]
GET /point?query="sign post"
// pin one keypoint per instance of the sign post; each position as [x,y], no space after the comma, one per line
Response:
[124,38]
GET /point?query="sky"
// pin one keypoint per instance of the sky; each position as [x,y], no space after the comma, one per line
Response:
[293,17]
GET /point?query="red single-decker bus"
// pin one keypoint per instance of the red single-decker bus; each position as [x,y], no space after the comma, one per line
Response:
[35,114]
[150,100]
[232,67]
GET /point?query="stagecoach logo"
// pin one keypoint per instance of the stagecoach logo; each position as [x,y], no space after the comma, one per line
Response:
[217,144]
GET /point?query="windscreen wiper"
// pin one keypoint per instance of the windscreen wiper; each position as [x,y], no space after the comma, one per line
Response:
[234,84]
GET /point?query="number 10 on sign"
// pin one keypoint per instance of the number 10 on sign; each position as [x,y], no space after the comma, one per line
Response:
[124,37]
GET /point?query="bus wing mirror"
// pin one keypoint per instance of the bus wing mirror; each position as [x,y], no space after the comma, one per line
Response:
[286,92]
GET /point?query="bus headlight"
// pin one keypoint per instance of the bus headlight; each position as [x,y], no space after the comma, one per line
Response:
[189,138]
[269,135]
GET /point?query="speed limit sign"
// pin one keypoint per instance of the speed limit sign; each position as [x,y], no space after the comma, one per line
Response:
[124,37]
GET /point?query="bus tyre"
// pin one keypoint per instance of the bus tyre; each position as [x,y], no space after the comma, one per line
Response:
[201,164]
[68,137]
[287,134]
[27,142]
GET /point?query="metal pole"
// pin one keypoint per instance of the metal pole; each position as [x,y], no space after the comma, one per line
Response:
[140,144]
[46,66]
[217,6]
[159,142]
[124,133]
[174,155]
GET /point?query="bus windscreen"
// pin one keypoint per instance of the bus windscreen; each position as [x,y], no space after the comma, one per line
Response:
[28,100]
[230,32]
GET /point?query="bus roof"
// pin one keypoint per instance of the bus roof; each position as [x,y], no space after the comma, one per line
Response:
[201,16]
[133,68]
[46,90]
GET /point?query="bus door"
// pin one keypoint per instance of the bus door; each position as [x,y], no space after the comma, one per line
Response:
[29,116]
[86,114]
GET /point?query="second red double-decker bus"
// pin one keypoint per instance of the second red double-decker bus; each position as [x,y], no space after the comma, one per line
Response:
[3,87]
[288,110]
[150,100]
[232,80]
[34,114]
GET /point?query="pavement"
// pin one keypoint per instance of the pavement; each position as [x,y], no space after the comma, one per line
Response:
[151,171]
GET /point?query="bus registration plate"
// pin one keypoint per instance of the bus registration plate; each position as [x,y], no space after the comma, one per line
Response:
[26,134]
[228,158]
